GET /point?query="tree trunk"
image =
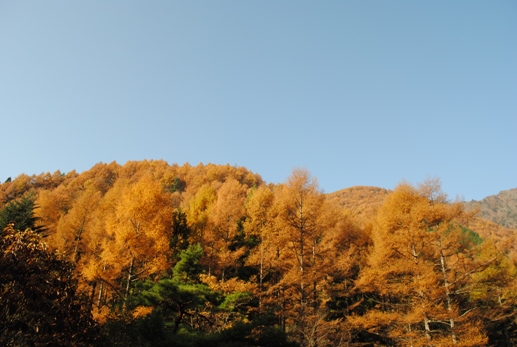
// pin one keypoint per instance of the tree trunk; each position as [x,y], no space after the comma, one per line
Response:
[177,320]
[129,277]
[447,294]
[99,298]
[261,276]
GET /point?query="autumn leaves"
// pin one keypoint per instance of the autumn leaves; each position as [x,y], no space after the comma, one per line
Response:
[421,272]
[215,247]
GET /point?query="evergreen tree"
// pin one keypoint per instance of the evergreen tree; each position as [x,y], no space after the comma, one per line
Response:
[20,213]
[180,232]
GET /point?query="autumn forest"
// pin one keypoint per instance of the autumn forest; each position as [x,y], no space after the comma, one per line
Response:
[153,254]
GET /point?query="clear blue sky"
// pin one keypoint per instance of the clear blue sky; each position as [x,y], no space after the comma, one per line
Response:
[357,92]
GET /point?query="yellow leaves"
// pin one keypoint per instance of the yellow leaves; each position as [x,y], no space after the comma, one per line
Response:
[101,315]
[210,281]
[142,201]
[90,270]
[299,207]
[374,320]
[258,207]
[139,227]
[199,207]
[142,311]
[155,263]
[233,285]
[420,256]
[228,209]
[259,223]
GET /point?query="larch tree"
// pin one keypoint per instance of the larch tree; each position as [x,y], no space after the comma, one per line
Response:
[419,272]
[259,225]
[495,296]
[343,251]
[76,233]
[400,269]
[139,233]
[99,266]
[77,222]
[52,205]
[301,228]
[198,209]
[223,230]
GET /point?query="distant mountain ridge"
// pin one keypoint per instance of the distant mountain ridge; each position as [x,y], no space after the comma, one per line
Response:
[500,208]
[362,202]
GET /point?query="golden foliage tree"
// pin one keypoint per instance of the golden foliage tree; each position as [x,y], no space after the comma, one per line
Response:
[420,272]
[302,226]
[133,242]
[76,225]
[222,234]
[259,224]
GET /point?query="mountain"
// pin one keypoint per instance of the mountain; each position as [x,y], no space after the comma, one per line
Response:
[500,208]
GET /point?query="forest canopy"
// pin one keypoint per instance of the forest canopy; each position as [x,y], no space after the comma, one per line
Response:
[170,255]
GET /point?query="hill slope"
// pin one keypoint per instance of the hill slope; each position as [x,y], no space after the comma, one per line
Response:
[500,208]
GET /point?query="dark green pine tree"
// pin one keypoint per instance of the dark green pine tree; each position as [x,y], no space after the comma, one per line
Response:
[183,294]
[180,232]
[20,214]
[188,269]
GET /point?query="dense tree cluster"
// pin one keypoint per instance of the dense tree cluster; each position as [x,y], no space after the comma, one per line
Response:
[40,305]
[169,255]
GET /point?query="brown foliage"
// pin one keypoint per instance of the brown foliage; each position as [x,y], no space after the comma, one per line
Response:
[40,306]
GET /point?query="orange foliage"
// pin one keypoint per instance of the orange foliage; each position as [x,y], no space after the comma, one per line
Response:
[402,263]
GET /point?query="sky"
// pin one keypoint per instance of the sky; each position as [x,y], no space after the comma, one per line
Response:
[360,93]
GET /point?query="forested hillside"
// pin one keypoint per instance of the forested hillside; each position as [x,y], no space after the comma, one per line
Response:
[211,255]
[500,208]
